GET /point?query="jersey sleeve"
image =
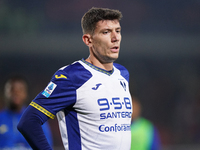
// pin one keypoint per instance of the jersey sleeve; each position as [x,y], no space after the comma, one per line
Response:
[30,126]
[47,132]
[60,93]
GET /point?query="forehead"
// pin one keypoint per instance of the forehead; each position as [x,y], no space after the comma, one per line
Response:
[16,84]
[106,24]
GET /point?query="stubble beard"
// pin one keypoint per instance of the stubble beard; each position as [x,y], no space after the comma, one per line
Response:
[104,59]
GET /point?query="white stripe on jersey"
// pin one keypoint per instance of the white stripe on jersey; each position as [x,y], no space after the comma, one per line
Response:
[62,126]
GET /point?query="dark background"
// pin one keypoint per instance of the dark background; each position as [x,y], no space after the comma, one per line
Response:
[160,48]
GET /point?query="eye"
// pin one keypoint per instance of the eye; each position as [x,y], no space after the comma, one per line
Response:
[118,31]
[105,32]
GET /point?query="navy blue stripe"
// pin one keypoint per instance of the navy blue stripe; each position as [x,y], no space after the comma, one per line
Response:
[73,130]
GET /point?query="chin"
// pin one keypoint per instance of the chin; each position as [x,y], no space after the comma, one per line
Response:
[115,57]
[112,59]
[108,59]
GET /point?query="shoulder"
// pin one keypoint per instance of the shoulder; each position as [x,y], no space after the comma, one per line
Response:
[145,121]
[75,73]
[123,71]
[75,68]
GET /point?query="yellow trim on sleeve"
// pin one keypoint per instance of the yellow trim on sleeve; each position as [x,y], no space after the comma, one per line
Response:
[43,110]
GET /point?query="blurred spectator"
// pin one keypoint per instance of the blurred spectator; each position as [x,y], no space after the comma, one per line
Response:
[144,135]
[15,92]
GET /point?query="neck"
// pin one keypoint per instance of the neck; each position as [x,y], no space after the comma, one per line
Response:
[97,63]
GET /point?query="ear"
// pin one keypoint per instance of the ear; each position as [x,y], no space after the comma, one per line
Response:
[87,39]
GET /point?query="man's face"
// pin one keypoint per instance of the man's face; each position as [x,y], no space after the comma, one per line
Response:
[16,93]
[106,40]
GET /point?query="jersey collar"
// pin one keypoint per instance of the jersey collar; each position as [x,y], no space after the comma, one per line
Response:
[97,68]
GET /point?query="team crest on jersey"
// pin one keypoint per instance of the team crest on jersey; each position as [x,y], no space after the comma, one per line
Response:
[123,84]
[49,89]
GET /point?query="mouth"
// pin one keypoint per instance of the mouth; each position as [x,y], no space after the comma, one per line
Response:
[115,49]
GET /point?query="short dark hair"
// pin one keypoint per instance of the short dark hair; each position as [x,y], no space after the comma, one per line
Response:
[94,15]
[16,78]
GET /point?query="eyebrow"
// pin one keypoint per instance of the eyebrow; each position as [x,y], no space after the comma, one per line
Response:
[110,29]
[119,28]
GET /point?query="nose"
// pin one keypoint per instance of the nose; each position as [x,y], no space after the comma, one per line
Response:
[115,36]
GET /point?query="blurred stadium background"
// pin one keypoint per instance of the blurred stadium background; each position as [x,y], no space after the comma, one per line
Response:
[160,48]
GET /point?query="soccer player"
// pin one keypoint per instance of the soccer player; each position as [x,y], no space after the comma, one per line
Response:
[144,134]
[90,96]
[16,93]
